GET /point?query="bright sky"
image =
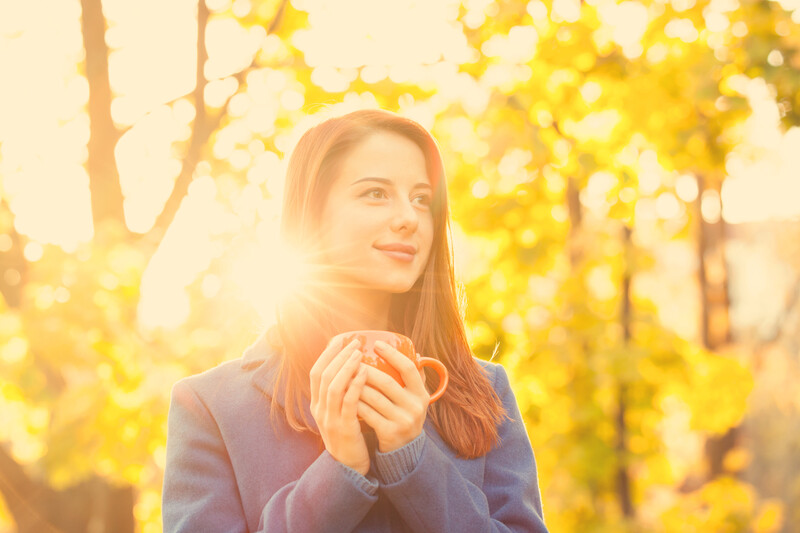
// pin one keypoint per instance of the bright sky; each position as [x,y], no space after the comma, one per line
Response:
[43,131]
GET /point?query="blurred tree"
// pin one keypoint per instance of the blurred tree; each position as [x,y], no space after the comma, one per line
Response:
[73,317]
[593,106]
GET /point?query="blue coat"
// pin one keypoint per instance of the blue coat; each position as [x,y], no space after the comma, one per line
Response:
[232,468]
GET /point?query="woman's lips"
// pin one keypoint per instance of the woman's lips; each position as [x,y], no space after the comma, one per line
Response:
[400,252]
[400,256]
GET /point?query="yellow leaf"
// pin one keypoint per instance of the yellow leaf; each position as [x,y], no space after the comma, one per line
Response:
[737,459]
[770,517]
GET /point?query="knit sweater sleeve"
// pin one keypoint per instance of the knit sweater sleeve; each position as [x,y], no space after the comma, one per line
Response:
[201,494]
[435,496]
[395,465]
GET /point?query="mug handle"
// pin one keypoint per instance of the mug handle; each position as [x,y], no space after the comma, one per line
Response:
[440,369]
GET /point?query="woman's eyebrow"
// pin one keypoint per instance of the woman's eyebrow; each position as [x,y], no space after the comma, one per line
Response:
[387,181]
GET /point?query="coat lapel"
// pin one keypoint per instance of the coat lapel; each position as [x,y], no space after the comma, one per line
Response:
[262,359]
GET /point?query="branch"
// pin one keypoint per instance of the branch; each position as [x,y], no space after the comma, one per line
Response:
[276,20]
[200,131]
[239,76]
[702,279]
[623,477]
[203,125]
[106,192]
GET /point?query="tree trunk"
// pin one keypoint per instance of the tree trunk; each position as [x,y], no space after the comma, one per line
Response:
[715,330]
[94,505]
[623,476]
[101,165]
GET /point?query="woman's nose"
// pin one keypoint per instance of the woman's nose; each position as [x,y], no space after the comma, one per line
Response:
[405,217]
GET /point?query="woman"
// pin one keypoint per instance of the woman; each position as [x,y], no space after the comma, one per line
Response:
[274,442]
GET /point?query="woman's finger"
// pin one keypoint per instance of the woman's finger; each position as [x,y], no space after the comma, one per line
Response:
[395,413]
[338,385]
[322,361]
[331,359]
[386,385]
[379,402]
[371,417]
[333,367]
[404,366]
[350,401]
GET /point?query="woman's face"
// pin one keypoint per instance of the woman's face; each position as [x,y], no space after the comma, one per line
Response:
[377,225]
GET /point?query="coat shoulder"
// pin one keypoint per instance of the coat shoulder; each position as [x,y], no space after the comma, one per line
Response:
[494,372]
[214,379]
[223,389]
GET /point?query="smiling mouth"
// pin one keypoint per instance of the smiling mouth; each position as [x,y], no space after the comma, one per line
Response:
[398,255]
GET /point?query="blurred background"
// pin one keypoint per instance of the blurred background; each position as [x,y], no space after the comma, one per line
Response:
[625,187]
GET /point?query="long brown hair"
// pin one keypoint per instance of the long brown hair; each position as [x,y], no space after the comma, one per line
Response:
[467,416]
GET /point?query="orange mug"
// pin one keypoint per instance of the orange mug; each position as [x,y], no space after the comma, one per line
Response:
[402,344]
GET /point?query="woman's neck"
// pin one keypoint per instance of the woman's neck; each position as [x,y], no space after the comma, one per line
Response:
[355,309]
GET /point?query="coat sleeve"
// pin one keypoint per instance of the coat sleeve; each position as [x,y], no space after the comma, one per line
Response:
[200,492]
[435,496]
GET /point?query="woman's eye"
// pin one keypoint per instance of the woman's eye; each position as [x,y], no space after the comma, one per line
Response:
[423,199]
[375,194]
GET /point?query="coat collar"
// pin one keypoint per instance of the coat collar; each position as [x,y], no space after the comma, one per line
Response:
[262,359]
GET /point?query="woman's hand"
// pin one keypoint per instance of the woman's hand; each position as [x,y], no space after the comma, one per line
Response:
[395,413]
[336,384]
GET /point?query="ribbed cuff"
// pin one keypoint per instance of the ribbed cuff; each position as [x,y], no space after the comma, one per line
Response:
[397,464]
[368,485]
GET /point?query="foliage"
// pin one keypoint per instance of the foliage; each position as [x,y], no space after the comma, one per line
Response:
[552,130]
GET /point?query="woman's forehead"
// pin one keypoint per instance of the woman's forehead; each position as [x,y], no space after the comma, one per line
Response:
[385,155]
